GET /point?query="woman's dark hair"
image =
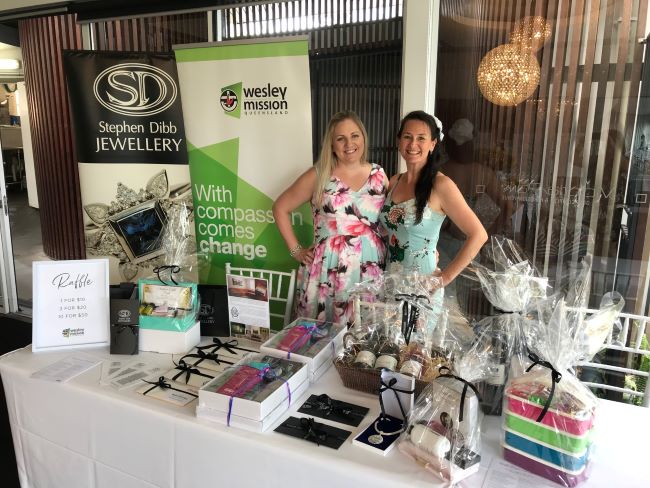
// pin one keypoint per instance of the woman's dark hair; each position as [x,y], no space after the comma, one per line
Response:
[435,159]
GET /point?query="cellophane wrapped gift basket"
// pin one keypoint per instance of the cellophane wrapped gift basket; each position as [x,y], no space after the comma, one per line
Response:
[510,282]
[444,427]
[549,415]
[400,326]
[169,301]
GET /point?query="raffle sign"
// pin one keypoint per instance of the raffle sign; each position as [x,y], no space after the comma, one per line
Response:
[132,153]
[248,122]
[71,304]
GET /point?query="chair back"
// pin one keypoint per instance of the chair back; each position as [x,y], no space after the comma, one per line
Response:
[630,354]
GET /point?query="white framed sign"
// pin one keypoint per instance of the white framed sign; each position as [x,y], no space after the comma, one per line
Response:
[248,307]
[71,304]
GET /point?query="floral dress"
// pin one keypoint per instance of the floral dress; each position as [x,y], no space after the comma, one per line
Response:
[348,248]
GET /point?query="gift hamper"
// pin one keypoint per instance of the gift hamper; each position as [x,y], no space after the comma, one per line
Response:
[549,415]
[399,330]
[444,426]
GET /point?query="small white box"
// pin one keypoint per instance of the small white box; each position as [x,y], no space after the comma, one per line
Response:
[210,397]
[170,342]
[320,356]
[250,424]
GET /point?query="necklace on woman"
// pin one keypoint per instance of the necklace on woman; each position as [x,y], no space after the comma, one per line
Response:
[378,438]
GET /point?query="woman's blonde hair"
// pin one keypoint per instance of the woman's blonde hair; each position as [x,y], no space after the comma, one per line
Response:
[327,160]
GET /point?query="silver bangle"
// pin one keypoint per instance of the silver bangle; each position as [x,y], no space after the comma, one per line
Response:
[295,250]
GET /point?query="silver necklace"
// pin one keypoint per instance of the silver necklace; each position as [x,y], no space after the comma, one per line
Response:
[378,438]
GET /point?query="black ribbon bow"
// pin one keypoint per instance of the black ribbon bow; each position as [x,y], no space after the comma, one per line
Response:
[311,431]
[172,268]
[161,383]
[466,385]
[410,312]
[556,376]
[329,406]
[205,356]
[217,344]
[391,386]
[188,370]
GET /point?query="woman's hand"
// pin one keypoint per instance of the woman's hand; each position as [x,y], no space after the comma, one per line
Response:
[305,256]
[434,281]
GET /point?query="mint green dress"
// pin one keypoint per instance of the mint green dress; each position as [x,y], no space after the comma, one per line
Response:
[413,246]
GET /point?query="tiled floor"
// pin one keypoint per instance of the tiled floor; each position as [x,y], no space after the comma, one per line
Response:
[25,226]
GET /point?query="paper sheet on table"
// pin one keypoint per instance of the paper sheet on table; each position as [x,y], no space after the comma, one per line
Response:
[503,474]
[65,369]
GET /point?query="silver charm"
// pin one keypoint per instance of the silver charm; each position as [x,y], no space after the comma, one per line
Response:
[375,439]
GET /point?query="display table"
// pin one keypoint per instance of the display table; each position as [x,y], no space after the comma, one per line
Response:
[81,434]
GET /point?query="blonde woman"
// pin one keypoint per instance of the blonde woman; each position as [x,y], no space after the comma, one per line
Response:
[346,193]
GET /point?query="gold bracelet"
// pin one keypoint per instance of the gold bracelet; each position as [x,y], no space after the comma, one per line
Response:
[295,250]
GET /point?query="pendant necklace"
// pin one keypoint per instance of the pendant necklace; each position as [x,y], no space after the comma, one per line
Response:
[378,438]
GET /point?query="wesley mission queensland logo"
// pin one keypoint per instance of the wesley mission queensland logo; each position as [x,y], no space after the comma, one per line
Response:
[261,100]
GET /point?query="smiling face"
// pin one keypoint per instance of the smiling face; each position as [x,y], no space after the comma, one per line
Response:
[348,142]
[415,142]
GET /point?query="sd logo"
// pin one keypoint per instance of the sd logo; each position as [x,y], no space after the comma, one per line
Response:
[135,89]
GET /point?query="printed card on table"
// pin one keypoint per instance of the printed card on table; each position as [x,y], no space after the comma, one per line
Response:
[248,307]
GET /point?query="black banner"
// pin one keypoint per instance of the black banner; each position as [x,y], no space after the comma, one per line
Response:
[126,107]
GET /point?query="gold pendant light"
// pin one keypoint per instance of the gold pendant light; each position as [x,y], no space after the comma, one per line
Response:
[508,74]
[531,32]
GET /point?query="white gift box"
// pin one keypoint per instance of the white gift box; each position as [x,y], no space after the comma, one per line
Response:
[168,341]
[238,421]
[257,410]
[319,357]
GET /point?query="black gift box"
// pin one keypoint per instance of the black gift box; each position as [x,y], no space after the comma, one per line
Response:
[213,313]
[124,318]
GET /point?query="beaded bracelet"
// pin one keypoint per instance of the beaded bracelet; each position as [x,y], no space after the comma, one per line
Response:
[295,250]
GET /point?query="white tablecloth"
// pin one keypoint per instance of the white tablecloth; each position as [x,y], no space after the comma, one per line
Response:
[81,434]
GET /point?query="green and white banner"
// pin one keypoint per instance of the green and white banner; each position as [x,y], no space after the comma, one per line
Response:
[248,126]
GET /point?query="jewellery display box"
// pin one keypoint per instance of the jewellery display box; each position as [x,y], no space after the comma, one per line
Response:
[254,387]
[249,424]
[396,397]
[313,342]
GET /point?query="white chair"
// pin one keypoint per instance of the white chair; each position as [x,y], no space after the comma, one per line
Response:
[625,342]
[281,287]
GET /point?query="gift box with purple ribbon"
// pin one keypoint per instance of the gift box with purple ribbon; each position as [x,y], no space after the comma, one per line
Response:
[252,390]
[310,341]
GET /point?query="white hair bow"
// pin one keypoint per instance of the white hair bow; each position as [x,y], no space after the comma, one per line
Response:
[439,124]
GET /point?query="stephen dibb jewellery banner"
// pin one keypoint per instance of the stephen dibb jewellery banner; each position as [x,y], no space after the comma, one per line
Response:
[132,154]
[126,108]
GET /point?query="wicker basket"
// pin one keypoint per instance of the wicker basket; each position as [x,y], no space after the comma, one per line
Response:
[366,380]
